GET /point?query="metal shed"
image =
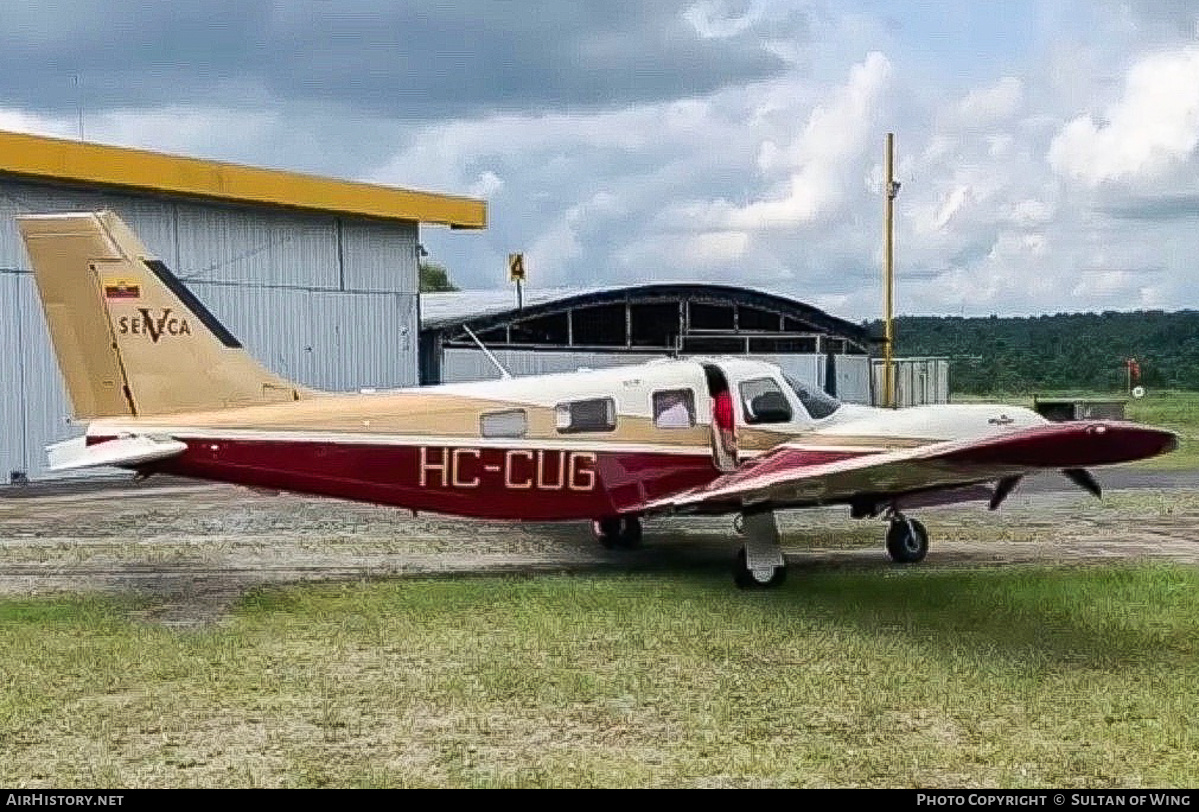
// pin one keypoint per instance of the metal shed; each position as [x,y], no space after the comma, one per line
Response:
[918,381]
[563,330]
[317,277]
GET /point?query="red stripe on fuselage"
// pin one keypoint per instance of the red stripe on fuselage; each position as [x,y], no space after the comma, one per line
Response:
[490,483]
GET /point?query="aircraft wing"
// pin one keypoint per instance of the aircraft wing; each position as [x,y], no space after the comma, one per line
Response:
[124,451]
[782,478]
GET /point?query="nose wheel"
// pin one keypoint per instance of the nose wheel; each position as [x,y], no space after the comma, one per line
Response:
[907,540]
[766,576]
[618,532]
[760,563]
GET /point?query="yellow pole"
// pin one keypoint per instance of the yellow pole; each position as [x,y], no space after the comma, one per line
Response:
[890,191]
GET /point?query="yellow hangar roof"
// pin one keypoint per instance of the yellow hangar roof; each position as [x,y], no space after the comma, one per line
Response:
[78,161]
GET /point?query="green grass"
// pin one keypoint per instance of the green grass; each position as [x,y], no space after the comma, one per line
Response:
[1001,677]
[1175,410]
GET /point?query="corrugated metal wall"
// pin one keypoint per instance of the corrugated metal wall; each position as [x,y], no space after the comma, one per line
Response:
[853,379]
[327,339]
[255,246]
[328,301]
[12,417]
[369,254]
[804,367]
[42,391]
[33,408]
[462,365]
[917,381]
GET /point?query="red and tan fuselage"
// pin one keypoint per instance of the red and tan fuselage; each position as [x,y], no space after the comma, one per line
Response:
[423,449]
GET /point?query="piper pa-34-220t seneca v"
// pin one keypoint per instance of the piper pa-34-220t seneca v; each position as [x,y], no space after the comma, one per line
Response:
[165,388]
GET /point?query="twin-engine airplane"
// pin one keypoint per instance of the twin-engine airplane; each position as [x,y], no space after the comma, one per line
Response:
[165,388]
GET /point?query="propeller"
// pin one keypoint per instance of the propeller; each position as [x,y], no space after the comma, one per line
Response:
[1085,480]
[1004,487]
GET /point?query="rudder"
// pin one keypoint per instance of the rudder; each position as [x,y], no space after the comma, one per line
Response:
[131,339]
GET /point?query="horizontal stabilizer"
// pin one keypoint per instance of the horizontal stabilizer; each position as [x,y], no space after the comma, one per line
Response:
[124,451]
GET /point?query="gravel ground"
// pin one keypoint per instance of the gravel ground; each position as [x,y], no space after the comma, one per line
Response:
[193,550]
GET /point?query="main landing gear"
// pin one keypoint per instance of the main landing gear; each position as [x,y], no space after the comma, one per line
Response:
[907,540]
[760,563]
[618,532]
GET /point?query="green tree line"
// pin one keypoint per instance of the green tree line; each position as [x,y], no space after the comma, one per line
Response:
[435,278]
[1062,351]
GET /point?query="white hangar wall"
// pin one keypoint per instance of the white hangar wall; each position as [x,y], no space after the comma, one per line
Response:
[328,300]
[460,365]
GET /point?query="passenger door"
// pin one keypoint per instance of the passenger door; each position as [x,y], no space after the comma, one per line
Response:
[768,412]
[724,437]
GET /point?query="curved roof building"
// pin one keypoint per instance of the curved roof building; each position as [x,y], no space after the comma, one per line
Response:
[562,330]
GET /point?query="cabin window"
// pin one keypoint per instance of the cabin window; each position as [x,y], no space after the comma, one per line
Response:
[508,423]
[597,414]
[764,402]
[674,409]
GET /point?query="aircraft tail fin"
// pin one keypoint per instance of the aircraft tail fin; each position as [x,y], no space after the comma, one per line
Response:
[131,339]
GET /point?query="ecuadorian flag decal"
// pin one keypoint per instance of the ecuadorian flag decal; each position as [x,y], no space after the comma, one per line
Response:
[120,289]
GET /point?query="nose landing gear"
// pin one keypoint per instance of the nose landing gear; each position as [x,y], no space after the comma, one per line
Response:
[760,563]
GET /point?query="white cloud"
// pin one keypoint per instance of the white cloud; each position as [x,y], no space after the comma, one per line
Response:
[1154,126]
[1103,284]
[715,249]
[776,20]
[1030,212]
[713,19]
[992,103]
[557,250]
[487,184]
[187,130]
[24,122]
[437,153]
[728,188]
[822,159]
[953,203]
[833,302]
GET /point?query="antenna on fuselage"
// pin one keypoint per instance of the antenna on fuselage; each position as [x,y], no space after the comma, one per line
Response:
[503,372]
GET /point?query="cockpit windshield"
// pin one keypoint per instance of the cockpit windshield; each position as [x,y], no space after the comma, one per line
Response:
[818,404]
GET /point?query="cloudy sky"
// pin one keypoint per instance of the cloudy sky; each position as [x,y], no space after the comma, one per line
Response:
[1046,150]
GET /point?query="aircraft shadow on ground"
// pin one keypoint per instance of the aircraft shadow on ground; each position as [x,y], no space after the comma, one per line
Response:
[1048,615]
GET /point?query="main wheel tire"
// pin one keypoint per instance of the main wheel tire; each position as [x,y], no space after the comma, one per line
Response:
[745,578]
[607,530]
[618,532]
[907,541]
[630,533]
